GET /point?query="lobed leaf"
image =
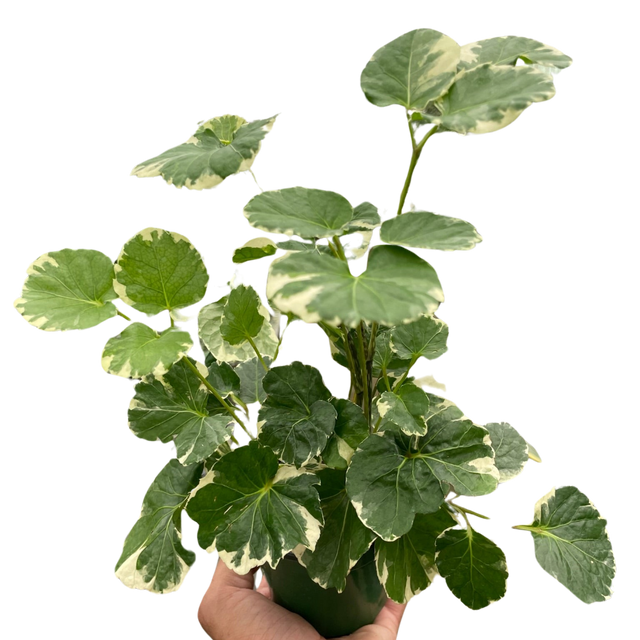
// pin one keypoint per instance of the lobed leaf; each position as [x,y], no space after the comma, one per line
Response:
[153,557]
[68,289]
[407,566]
[296,418]
[175,407]
[219,148]
[256,511]
[343,539]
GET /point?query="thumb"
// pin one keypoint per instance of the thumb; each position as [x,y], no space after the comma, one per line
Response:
[225,578]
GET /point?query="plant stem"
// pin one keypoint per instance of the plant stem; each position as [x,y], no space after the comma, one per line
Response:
[372,340]
[415,156]
[339,249]
[256,181]
[122,315]
[173,323]
[365,376]
[350,362]
[463,510]
[217,396]
[385,377]
[398,384]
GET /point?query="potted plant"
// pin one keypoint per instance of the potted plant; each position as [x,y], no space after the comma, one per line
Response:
[341,501]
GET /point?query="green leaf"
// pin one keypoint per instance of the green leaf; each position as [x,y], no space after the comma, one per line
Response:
[389,480]
[296,417]
[351,429]
[489,98]
[405,408]
[254,250]
[68,290]
[473,566]
[510,448]
[426,230]
[407,566]
[160,270]
[316,287]
[241,318]
[297,245]
[411,70]
[385,358]
[223,378]
[209,324]
[255,511]
[365,219]
[426,337]
[140,351]
[153,557]
[572,544]
[343,540]
[506,50]
[175,407]
[219,148]
[251,374]
[308,213]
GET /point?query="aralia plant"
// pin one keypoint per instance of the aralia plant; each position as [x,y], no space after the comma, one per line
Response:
[323,477]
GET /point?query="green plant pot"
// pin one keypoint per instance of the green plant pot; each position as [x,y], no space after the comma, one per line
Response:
[332,614]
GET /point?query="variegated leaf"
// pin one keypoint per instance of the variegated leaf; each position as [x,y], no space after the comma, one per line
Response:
[426,337]
[350,430]
[405,409]
[365,219]
[510,448]
[251,374]
[241,317]
[254,250]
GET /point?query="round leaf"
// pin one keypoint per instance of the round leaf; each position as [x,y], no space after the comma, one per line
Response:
[219,148]
[429,231]
[140,351]
[572,544]
[254,250]
[474,567]
[68,289]
[510,447]
[160,270]
[241,318]
[489,98]
[308,213]
[426,337]
[317,287]
[411,70]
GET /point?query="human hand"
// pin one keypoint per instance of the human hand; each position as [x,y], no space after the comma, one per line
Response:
[232,610]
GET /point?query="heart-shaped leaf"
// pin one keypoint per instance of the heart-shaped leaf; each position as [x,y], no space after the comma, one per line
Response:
[241,318]
[426,337]
[254,250]
[510,447]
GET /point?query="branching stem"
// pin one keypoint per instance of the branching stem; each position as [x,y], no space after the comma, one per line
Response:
[122,315]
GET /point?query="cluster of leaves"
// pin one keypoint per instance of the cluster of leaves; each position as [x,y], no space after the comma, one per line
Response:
[324,477]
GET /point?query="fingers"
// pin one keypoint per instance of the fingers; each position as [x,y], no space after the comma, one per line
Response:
[391,616]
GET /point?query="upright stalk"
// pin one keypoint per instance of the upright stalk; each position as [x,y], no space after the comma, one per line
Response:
[366,404]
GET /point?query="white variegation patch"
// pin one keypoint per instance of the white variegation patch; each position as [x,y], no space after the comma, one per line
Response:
[543,502]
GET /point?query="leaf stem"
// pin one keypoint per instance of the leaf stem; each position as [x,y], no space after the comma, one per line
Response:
[173,322]
[385,377]
[339,249]
[253,345]
[398,384]
[122,315]
[350,362]
[217,396]
[463,510]
[372,340]
[256,181]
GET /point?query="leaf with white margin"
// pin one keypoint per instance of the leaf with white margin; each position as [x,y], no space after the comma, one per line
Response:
[350,430]
[219,148]
[396,287]
[389,480]
[533,453]
[209,321]
[256,511]
[412,70]
[506,50]
[572,544]
[385,358]
[489,98]
[510,448]
[251,374]
[241,317]
[140,351]
[426,230]
[254,250]
[308,213]
[473,566]
[426,337]
[343,540]
[365,219]
[405,408]
[429,380]
[175,407]
[153,557]
[159,270]
[223,378]
[407,566]
[296,418]
[68,289]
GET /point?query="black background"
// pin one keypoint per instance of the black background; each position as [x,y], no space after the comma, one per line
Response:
[125,88]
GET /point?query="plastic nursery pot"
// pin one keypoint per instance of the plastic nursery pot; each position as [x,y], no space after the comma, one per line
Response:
[332,614]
